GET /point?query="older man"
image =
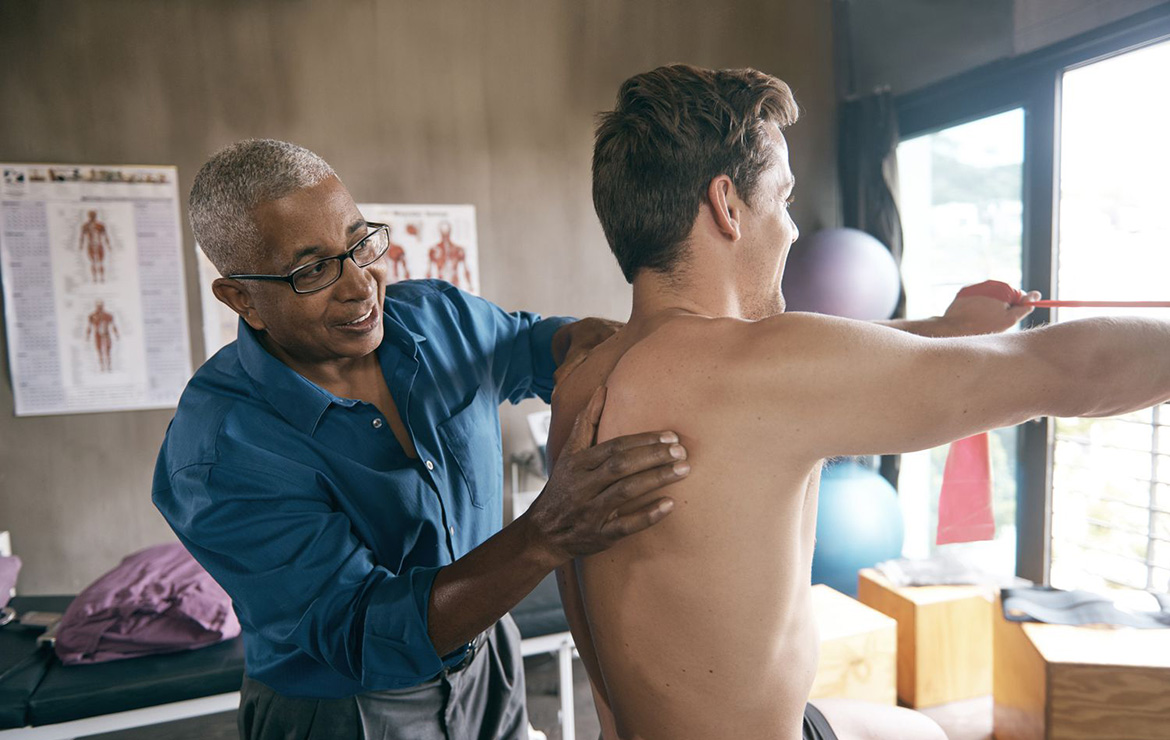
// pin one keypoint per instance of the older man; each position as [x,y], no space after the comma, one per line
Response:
[337,468]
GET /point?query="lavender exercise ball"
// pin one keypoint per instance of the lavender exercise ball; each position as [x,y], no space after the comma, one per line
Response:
[842,272]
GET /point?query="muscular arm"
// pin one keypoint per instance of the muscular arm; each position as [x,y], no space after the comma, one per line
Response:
[476,590]
[854,388]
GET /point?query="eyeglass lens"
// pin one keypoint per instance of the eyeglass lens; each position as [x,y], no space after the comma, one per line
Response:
[321,274]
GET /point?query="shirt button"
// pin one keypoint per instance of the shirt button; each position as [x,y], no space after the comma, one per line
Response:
[451,530]
[377,423]
[430,465]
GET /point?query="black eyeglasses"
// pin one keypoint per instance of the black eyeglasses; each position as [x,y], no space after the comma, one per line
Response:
[321,274]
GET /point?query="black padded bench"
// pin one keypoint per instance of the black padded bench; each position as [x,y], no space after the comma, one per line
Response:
[41,699]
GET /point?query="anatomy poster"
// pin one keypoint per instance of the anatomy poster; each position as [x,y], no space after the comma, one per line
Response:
[94,303]
[426,241]
[430,241]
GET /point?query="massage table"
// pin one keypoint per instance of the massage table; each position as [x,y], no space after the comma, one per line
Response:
[41,699]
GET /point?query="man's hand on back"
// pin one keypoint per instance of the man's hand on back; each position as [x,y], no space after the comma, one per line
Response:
[577,513]
[572,343]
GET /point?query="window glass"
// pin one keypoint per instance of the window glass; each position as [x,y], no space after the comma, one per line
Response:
[1110,504]
[961,207]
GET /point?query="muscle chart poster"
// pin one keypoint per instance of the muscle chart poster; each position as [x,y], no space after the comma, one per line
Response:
[94,301]
[430,241]
[426,241]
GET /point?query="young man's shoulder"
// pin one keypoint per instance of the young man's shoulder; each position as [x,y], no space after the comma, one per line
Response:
[694,349]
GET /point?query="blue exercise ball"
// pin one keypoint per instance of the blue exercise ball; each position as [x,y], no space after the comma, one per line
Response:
[859,524]
[842,272]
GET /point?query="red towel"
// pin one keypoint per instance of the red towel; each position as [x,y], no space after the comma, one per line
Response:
[964,504]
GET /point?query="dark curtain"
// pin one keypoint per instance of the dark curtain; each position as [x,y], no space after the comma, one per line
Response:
[868,162]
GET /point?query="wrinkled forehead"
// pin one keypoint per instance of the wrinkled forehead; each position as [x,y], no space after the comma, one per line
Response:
[321,218]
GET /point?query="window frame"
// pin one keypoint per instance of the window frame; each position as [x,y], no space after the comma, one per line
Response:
[1032,82]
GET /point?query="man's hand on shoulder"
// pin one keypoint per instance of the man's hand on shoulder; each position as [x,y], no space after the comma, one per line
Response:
[572,343]
[577,512]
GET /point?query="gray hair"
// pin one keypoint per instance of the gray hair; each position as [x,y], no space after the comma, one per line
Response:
[236,180]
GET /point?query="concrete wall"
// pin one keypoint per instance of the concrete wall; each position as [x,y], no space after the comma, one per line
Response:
[490,103]
[908,44]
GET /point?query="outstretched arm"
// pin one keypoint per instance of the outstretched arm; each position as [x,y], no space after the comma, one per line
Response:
[854,388]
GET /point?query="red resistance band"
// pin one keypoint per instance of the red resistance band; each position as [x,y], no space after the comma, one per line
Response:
[1006,293]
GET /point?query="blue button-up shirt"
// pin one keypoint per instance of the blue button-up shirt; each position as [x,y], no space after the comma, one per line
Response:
[305,508]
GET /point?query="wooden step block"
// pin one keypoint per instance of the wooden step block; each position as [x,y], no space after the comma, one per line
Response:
[944,638]
[1056,682]
[858,649]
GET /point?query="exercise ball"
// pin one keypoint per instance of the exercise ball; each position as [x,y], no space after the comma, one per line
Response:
[859,524]
[842,272]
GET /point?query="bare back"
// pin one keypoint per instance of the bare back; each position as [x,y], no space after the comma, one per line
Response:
[701,626]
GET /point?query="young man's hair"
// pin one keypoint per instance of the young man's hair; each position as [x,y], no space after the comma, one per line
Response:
[230,186]
[675,129]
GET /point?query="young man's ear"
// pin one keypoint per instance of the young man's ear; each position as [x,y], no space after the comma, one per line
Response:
[726,207]
[236,297]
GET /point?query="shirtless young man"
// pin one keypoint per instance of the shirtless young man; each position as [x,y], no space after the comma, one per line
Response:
[702,627]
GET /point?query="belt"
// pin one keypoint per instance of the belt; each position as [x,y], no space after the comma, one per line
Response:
[473,648]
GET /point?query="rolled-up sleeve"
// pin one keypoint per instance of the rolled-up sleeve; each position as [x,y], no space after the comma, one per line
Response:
[298,575]
[516,346]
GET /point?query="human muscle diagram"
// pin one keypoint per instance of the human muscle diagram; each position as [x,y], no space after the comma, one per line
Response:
[95,242]
[93,285]
[101,326]
[448,261]
[399,270]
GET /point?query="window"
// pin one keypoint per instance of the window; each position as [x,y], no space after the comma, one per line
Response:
[1111,478]
[962,211]
[1077,130]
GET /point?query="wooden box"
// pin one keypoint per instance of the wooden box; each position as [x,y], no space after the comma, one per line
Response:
[1056,682]
[858,649]
[944,638]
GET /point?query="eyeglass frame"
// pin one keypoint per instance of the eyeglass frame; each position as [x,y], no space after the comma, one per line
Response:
[347,254]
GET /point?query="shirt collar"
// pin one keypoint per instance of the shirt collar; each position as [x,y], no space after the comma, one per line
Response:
[299,400]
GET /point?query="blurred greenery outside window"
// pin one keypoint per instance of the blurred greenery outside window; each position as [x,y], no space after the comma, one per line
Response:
[962,211]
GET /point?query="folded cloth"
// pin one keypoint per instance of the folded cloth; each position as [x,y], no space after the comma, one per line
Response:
[158,600]
[9,570]
[1053,606]
[944,569]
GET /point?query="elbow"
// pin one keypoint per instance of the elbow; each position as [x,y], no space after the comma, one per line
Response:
[1100,383]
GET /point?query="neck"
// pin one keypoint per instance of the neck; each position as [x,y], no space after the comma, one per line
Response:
[655,294]
[342,376]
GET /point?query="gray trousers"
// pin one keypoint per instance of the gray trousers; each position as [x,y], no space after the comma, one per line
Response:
[484,701]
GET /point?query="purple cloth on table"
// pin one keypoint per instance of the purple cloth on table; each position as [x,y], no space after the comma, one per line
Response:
[158,600]
[9,570]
